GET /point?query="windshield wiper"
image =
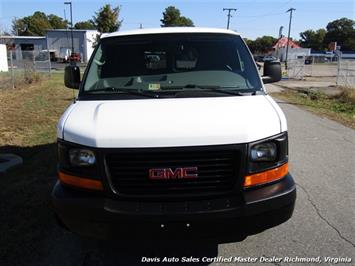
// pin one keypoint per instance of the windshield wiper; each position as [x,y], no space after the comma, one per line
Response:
[232,90]
[124,90]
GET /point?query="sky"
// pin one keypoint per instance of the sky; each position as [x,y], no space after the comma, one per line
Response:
[253,18]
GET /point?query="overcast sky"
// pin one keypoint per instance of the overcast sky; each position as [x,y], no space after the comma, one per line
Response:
[253,18]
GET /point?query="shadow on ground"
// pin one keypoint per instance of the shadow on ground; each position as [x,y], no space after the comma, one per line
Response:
[26,216]
[181,252]
[30,235]
[73,250]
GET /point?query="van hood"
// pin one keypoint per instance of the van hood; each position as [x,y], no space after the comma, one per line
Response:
[171,122]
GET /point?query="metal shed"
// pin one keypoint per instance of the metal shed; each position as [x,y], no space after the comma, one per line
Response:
[60,39]
[23,44]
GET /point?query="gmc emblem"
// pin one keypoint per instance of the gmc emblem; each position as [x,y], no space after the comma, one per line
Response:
[168,173]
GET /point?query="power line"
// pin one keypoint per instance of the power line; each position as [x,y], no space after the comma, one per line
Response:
[229,14]
[289,31]
[272,13]
[262,15]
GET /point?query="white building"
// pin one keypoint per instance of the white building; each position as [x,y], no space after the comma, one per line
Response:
[55,40]
[293,53]
[294,50]
[3,58]
[83,40]
[21,45]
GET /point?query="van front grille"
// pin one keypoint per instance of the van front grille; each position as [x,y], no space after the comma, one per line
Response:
[217,170]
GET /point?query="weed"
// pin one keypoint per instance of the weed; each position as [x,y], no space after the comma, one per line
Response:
[339,107]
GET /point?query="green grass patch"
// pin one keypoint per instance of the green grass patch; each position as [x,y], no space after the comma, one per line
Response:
[340,107]
[28,115]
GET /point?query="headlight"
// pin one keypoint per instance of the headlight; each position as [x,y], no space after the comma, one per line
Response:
[263,152]
[81,157]
[79,166]
[268,160]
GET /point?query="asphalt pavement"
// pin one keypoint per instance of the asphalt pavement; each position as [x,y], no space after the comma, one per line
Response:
[322,162]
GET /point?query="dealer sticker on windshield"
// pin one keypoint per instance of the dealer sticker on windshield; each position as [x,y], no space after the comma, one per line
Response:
[154,86]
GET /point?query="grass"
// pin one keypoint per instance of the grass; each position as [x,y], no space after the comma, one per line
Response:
[29,114]
[340,107]
[28,117]
[20,78]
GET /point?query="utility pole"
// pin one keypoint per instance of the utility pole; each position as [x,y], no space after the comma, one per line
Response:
[280,32]
[229,14]
[71,26]
[289,31]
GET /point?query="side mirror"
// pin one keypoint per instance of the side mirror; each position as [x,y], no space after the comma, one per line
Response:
[72,77]
[272,71]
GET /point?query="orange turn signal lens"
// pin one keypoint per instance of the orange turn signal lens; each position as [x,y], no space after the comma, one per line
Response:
[80,182]
[266,176]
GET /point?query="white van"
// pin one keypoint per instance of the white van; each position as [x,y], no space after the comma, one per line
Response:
[172,128]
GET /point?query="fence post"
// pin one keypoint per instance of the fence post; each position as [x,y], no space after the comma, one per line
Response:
[338,70]
[12,70]
[34,61]
[49,63]
[49,57]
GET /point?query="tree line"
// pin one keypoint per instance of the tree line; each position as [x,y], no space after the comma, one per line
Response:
[341,31]
[106,19]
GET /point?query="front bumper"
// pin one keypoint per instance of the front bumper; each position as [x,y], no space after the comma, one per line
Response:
[229,217]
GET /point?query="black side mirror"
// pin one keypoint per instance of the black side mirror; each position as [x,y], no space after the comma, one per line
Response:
[72,77]
[272,71]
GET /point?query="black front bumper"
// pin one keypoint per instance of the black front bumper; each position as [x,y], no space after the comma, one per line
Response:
[105,218]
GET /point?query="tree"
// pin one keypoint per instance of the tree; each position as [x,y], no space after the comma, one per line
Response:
[341,31]
[19,26]
[37,24]
[262,44]
[85,25]
[251,44]
[313,39]
[106,19]
[2,29]
[57,22]
[173,18]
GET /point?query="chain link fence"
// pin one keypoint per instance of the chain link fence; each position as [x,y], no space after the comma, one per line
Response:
[25,67]
[346,73]
[341,71]
[39,60]
[296,68]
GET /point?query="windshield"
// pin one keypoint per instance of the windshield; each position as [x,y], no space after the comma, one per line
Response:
[164,63]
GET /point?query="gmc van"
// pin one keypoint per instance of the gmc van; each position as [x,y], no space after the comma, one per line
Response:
[173,130]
